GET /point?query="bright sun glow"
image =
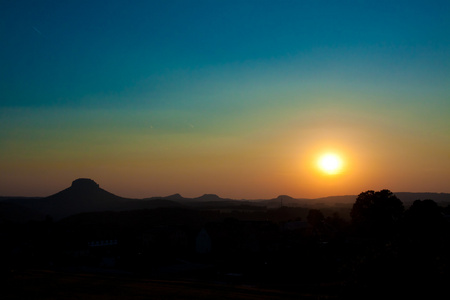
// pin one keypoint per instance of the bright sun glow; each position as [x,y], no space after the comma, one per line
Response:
[330,163]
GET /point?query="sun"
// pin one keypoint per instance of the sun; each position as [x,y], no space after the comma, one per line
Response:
[330,163]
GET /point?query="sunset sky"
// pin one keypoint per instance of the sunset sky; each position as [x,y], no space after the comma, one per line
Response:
[236,98]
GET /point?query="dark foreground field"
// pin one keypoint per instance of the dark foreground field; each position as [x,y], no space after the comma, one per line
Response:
[383,252]
[45,284]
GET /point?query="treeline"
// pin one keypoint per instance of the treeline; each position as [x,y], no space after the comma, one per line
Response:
[380,249]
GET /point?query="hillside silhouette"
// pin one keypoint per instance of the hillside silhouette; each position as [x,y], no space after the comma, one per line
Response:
[381,248]
[10,211]
[86,195]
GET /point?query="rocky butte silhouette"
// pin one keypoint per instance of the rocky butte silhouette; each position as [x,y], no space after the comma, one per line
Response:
[208,198]
[85,195]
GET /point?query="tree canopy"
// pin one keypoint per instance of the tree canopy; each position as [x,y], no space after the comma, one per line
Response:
[376,212]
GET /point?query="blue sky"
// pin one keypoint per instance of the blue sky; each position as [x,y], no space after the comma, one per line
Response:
[62,51]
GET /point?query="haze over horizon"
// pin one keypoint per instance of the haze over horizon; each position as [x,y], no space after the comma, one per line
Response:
[98,186]
[234,98]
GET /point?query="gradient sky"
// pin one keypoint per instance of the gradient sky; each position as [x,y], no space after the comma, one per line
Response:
[236,98]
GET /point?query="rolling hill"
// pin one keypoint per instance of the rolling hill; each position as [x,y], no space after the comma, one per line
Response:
[85,195]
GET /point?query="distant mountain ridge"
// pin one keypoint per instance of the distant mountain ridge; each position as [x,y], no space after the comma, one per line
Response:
[85,195]
[203,198]
[284,200]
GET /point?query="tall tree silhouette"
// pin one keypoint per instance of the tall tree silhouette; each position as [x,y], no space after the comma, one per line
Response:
[424,220]
[376,213]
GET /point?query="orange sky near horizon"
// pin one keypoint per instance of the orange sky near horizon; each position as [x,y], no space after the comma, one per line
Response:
[251,164]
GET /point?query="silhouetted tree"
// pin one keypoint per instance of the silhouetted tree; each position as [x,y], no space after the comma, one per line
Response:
[425,246]
[376,213]
[336,223]
[424,219]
